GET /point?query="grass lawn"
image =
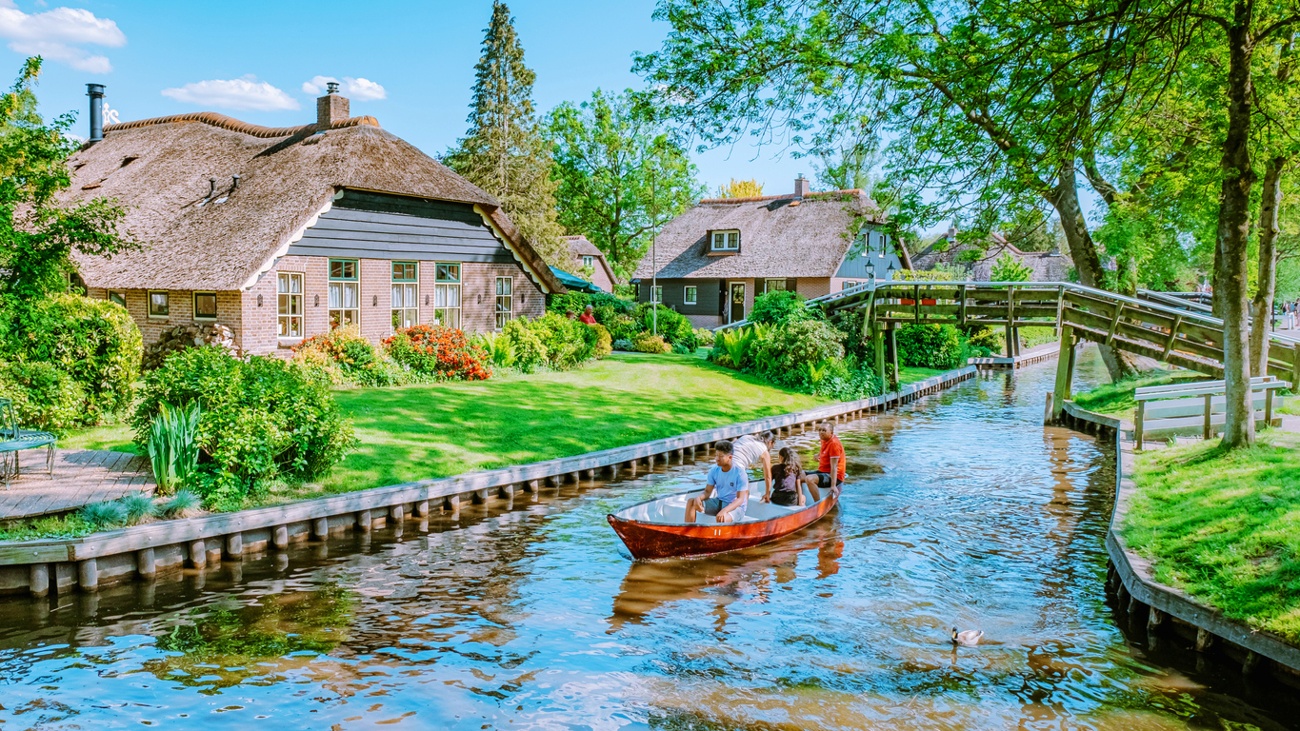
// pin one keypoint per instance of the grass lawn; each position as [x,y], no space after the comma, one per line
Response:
[1032,337]
[1116,398]
[110,437]
[1225,527]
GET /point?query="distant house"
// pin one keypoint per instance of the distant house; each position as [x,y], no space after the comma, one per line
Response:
[281,234]
[978,261]
[710,262]
[585,255]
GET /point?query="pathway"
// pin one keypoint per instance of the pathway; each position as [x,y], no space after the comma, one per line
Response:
[80,477]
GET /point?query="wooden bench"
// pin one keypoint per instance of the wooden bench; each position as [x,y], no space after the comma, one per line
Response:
[13,440]
[1199,406]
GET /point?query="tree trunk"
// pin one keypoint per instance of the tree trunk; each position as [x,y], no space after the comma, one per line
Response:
[1065,199]
[1266,283]
[1234,231]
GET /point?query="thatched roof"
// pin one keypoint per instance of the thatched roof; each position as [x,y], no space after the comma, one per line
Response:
[780,236]
[1047,266]
[160,170]
[579,247]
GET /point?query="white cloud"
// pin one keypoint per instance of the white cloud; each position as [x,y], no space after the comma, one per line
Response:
[59,35]
[355,88]
[242,93]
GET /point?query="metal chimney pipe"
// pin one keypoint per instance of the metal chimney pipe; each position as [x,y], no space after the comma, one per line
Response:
[96,94]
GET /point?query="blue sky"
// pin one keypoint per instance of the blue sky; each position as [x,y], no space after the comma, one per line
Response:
[251,60]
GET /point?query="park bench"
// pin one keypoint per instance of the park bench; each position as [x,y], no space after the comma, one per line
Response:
[1186,408]
[13,440]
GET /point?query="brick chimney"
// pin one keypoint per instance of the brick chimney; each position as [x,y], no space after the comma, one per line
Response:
[801,187]
[331,108]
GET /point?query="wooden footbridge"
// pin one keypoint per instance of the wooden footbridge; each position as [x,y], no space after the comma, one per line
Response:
[1148,327]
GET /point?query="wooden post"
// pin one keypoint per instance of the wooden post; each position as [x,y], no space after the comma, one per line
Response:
[235,545]
[144,564]
[422,509]
[88,575]
[397,513]
[199,554]
[878,345]
[1207,433]
[280,537]
[1011,321]
[531,485]
[1137,425]
[320,528]
[1064,372]
[363,521]
[453,503]
[1203,639]
[1295,369]
[1114,324]
[893,354]
[1268,408]
[38,579]
[961,304]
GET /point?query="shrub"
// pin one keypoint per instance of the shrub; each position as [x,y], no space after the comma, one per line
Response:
[604,306]
[137,508]
[673,326]
[184,504]
[734,348]
[184,337]
[103,516]
[622,327]
[625,345]
[44,397]
[929,346]
[261,418]
[647,343]
[604,343]
[568,342]
[792,353]
[982,340]
[780,306]
[704,337]
[95,342]
[437,351]
[528,348]
[500,352]
[348,357]
[847,380]
[1008,268]
[173,447]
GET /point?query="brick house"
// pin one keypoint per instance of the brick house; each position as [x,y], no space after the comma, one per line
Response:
[585,255]
[710,262]
[283,233]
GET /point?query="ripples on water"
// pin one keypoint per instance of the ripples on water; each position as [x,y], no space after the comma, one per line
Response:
[962,511]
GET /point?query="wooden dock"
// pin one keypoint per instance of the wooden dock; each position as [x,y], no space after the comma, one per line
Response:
[81,477]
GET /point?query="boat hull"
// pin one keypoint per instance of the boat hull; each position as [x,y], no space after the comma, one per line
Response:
[645,540]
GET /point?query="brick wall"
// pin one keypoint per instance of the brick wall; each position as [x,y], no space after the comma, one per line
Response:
[814,287]
[180,310]
[479,279]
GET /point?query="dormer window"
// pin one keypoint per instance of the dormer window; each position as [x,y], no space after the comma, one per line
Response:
[727,241]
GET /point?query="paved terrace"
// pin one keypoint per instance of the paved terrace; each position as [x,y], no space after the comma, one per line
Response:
[80,477]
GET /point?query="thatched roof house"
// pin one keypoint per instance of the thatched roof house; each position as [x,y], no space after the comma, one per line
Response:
[978,260]
[711,261]
[585,254]
[221,206]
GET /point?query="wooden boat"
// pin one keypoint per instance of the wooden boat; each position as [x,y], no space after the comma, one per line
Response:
[657,528]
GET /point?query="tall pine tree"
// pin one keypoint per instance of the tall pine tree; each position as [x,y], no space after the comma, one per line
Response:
[503,151]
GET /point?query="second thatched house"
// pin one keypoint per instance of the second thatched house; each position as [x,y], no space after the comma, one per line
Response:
[977,260]
[587,258]
[281,234]
[710,262]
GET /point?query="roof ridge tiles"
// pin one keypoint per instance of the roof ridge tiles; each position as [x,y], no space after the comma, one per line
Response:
[230,123]
[783,196]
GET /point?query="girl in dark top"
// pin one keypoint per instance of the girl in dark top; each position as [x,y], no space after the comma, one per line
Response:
[787,479]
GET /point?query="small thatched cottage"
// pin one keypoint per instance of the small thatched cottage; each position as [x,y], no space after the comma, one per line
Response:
[586,256]
[978,261]
[281,234]
[710,262]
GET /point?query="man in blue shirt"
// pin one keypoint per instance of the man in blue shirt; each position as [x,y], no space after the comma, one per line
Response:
[729,481]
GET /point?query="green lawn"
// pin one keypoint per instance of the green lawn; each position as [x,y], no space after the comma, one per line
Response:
[1225,528]
[1032,337]
[110,437]
[1116,398]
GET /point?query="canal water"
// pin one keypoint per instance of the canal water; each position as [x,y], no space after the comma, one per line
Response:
[962,511]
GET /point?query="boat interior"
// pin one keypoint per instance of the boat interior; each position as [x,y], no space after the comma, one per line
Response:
[672,508]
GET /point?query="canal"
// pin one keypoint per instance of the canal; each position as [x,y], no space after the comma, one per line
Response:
[962,510]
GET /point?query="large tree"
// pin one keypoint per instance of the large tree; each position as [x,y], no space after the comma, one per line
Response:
[504,151]
[621,176]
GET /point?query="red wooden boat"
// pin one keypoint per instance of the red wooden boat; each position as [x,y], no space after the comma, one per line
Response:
[656,528]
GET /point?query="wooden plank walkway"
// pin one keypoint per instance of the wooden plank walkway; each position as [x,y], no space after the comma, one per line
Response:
[80,477]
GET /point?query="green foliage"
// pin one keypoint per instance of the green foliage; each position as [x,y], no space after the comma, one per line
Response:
[734,188]
[983,341]
[43,396]
[529,351]
[929,346]
[348,357]
[438,352]
[137,508]
[261,419]
[774,308]
[621,176]
[1117,397]
[1008,268]
[734,348]
[648,343]
[568,343]
[500,352]
[673,326]
[173,447]
[184,504]
[704,337]
[604,306]
[104,516]
[622,327]
[604,343]
[503,151]
[624,344]
[796,353]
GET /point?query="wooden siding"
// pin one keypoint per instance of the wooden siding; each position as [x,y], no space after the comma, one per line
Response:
[707,298]
[373,226]
[855,261]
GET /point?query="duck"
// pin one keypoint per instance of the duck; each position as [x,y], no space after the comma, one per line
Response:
[969,638]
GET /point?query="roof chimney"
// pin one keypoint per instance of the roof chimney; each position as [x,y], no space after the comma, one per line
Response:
[331,108]
[96,94]
[801,187]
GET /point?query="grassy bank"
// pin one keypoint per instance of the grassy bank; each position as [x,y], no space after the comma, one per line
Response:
[1225,528]
[1116,398]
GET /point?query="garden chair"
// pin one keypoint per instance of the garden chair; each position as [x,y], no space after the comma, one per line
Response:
[13,440]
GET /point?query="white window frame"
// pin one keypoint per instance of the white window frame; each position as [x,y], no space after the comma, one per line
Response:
[194,303]
[767,286]
[405,300]
[727,240]
[285,295]
[447,300]
[166,304]
[657,294]
[849,284]
[690,294]
[342,285]
[505,301]
[589,261]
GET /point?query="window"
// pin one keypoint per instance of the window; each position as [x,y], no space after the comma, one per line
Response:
[774,285]
[205,305]
[158,306]
[345,293]
[446,295]
[689,295]
[726,240]
[117,297]
[505,300]
[288,286]
[406,294]
[657,294]
[589,261]
[848,284]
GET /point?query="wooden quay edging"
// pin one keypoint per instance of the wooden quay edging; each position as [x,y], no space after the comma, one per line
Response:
[1165,610]
[145,552]
[1035,355]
